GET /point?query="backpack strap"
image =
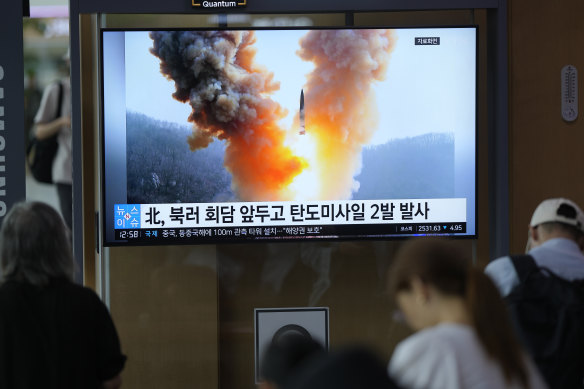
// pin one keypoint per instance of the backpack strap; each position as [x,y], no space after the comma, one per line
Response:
[524,265]
[60,101]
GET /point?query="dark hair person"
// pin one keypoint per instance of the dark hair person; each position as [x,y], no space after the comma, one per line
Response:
[53,333]
[351,367]
[34,245]
[464,336]
[284,356]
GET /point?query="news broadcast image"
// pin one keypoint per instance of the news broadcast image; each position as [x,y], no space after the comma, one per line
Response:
[377,122]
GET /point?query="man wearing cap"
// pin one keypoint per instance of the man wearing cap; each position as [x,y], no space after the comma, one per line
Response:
[555,241]
[546,310]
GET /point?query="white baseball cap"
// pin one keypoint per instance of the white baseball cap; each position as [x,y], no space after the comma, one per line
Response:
[558,210]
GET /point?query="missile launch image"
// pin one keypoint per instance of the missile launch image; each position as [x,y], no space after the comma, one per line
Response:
[215,114]
[235,98]
[301,115]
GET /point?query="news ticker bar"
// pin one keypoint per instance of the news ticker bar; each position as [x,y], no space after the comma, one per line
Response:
[218,234]
[289,213]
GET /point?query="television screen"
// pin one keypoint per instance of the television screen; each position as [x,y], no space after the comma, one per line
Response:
[213,136]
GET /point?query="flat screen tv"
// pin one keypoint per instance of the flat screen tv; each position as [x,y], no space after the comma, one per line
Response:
[279,134]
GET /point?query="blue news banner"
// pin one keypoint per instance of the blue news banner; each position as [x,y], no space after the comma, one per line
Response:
[243,221]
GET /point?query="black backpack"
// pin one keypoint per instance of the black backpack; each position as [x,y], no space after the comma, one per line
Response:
[40,153]
[548,313]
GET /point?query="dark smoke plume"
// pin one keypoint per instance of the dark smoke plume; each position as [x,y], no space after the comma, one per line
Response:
[214,71]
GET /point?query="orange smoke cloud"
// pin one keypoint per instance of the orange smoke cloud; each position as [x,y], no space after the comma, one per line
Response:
[341,112]
[214,71]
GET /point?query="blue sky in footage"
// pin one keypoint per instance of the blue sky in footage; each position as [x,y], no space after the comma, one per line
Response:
[427,88]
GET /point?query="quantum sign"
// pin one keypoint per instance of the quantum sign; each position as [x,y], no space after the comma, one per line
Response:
[218,4]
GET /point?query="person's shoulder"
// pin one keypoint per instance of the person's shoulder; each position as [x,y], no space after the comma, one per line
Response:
[446,335]
[430,350]
[53,87]
[11,287]
[498,264]
[8,286]
[426,342]
[50,93]
[15,296]
[7,291]
[84,291]
[503,274]
[81,292]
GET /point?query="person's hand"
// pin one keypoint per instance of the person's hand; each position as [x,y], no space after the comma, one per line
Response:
[45,130]
[65,121]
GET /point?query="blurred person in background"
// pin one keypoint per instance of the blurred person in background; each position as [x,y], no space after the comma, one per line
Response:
[48,122]
[544,291]
[351,367]
[555,241]
[284,356]
[54,334]
[32,101]
[464,338]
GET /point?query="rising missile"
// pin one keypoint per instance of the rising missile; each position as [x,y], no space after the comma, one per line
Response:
[302,130]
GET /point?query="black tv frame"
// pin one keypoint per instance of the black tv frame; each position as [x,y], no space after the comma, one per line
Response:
[374,234]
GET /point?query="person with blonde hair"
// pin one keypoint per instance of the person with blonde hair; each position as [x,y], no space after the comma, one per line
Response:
[53,333]
[464,338]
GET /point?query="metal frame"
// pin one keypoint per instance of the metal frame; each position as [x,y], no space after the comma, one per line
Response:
[497,79]
[12,169]
[270,6]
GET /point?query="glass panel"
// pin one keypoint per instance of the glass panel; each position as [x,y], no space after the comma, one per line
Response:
[45,43]
[347,277]
[286,20]
[157,21]
[164,305]
[213,20]
[417,18]
[185,314]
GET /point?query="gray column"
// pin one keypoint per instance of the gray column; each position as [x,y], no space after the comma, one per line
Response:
[12,173]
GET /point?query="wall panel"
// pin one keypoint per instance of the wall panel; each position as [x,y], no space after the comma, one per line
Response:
[546,155]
